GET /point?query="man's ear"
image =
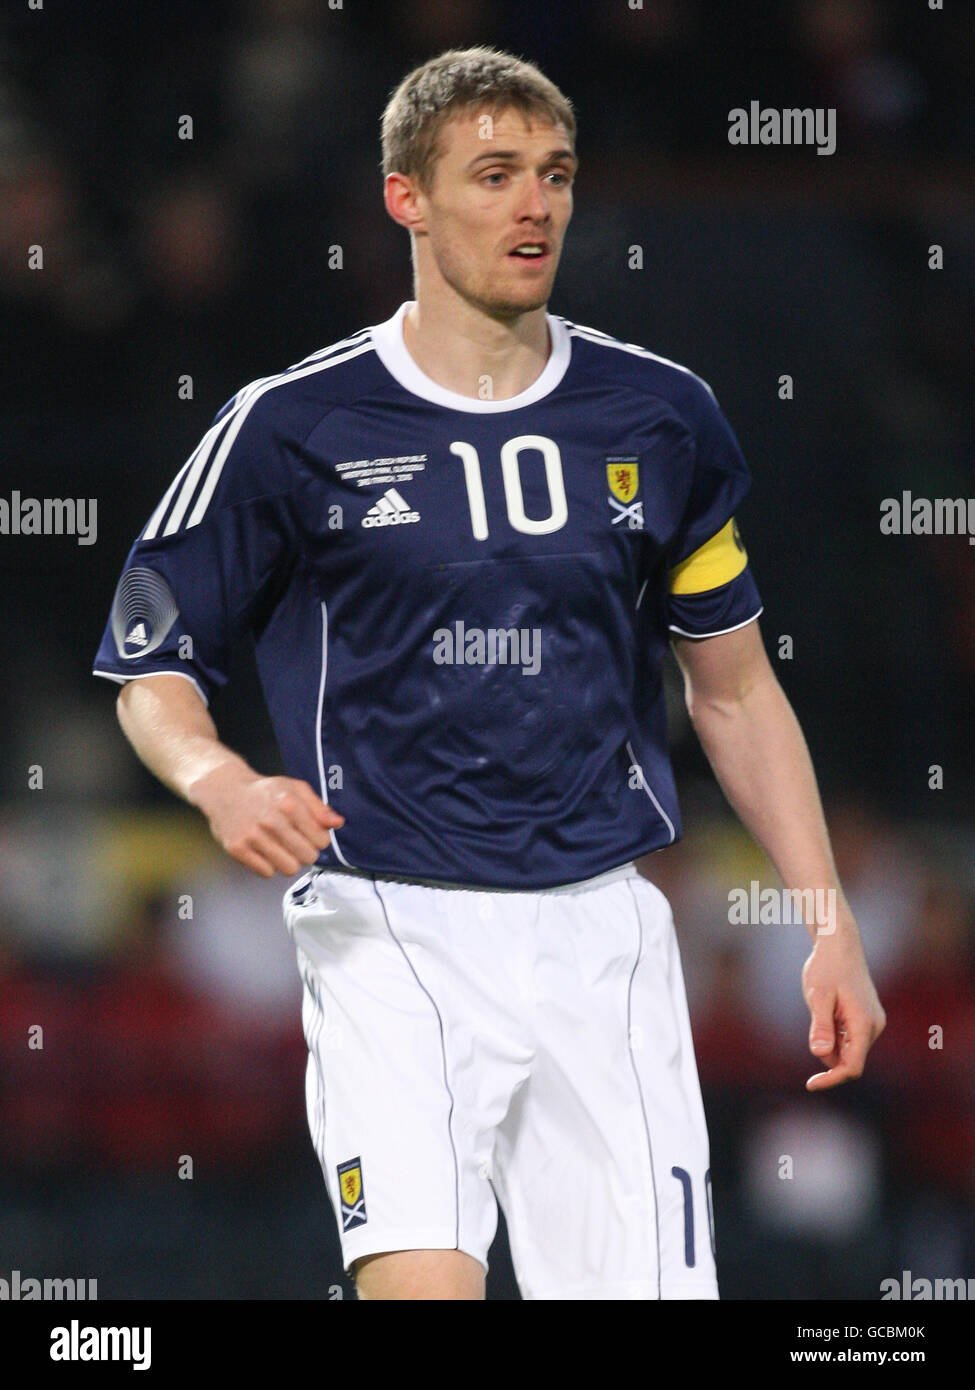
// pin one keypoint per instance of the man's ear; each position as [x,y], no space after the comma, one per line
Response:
[404,199]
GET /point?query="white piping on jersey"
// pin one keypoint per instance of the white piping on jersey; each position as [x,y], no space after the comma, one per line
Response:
[203,501]
[721,631]
[643,590]
[649,791]
[209,438]
[594,335]
[157,516]
[144,676]
[351,341]
[229,425]
[319,743]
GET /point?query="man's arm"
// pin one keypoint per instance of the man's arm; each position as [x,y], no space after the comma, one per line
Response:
[269,824]
[754,743]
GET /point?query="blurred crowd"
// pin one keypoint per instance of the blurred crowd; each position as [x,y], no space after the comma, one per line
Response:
[189,172]
[187,165]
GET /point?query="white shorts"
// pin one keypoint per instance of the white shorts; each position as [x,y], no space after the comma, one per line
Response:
[471,1048]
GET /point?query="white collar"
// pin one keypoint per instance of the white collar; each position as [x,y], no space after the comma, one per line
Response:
[392,352]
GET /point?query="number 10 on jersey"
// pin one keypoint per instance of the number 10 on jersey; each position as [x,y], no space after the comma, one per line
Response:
[514,498]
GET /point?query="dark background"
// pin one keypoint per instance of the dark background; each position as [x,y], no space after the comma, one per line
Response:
[166,1036]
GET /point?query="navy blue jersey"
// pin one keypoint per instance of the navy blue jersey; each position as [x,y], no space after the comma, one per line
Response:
[460,606]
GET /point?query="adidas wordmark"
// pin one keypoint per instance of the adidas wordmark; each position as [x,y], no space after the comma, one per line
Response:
[390,510]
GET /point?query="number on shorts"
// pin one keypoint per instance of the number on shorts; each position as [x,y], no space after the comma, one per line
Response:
[684,1178]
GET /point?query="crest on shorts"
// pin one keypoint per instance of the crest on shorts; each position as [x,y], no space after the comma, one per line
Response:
[351,1194]
[623,475]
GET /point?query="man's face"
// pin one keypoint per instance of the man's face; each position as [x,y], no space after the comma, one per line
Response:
[500,182]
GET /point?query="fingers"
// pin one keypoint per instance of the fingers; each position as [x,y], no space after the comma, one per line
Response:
[298,823]
[842,1071]
[262,851]
[822,1029]
[254,861]
[288,838]
[286,831]
[847,1059]
[323,814]
[246,850]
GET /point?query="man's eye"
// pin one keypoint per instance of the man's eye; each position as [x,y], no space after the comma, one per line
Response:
[498,174]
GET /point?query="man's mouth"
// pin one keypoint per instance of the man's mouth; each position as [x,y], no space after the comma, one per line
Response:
[531,251]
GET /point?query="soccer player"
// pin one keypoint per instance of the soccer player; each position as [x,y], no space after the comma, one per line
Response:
[462,540]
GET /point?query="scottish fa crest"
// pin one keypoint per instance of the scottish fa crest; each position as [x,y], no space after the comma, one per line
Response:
[351,1194]
[623,476]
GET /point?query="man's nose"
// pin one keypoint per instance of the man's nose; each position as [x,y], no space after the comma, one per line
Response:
[535,203]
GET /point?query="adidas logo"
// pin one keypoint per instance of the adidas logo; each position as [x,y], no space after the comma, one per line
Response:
[390,510]
[138,636]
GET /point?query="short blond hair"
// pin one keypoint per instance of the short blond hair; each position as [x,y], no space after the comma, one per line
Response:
[461,80]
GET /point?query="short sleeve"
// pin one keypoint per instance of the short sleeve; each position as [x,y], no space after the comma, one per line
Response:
[197,576]
[711,589]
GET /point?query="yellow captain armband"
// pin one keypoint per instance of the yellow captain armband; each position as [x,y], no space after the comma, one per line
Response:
[716,562]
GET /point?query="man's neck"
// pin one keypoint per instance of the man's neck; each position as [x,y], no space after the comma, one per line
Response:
[465,350]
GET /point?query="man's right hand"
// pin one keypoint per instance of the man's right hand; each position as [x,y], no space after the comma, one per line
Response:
[268,824]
